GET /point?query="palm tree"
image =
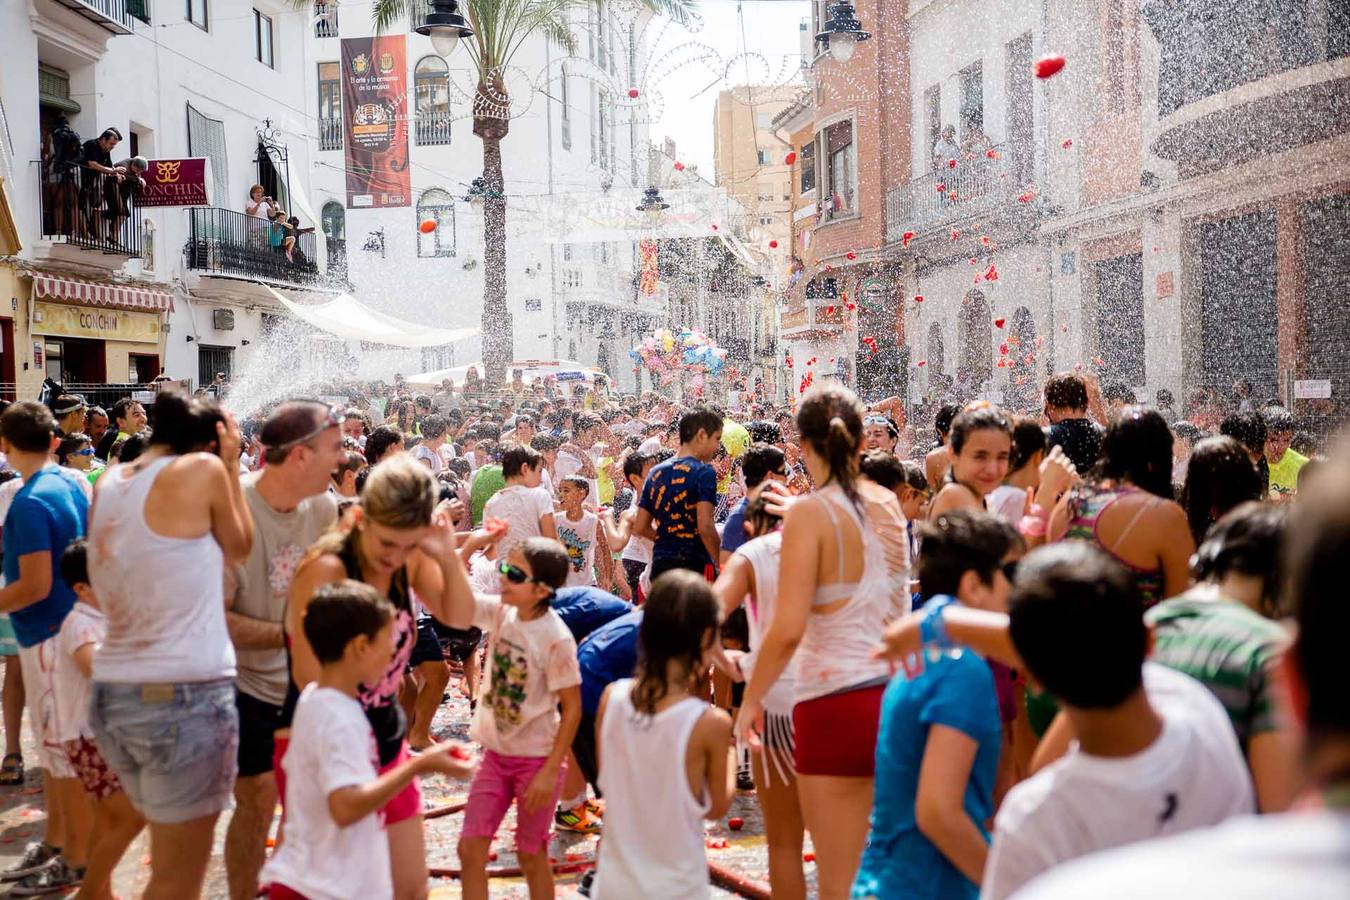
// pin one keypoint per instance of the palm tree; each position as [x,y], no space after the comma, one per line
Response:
[501,28]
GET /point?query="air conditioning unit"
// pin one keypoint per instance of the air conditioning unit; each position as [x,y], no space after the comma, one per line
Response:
[222,319]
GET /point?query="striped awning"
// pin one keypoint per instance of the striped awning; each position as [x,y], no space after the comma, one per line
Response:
[101,293]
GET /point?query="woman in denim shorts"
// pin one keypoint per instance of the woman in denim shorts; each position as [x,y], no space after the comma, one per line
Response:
[162,708]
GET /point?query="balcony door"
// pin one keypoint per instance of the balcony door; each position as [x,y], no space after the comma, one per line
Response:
[1020,135]
[1237,311]
[1120,318]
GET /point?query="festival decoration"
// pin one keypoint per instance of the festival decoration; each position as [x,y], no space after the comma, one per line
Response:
[649,276]
[686,357]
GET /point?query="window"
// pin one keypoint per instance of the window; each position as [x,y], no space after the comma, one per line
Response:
[567,252]
[262,39]
[841,167]
[972,97]
[563,100]
[334,219]
[431,88]
[763,121]
[762,156]
[325,18]
[807,160]
[206,137]
[766,196]
[932,105]
[766,220]
[196,13]
[330,106]
[601,42]
[603,135]
[438,206]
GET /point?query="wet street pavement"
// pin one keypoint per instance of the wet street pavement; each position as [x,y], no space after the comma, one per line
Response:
[745,853]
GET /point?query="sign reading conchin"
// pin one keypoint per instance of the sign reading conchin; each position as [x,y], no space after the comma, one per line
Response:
[175,182]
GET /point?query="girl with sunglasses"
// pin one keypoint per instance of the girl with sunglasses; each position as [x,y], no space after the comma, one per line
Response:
[527,716]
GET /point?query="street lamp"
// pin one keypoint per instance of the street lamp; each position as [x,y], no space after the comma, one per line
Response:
[842,31]
[445,26]
[479,192]
[653,205]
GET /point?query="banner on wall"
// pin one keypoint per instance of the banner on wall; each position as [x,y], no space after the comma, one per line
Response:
[375,118]
[175,182]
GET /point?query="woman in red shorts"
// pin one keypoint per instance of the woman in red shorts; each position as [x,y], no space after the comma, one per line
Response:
[844,575]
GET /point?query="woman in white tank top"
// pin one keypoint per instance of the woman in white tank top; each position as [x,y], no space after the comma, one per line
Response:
[663,753]
[844,576]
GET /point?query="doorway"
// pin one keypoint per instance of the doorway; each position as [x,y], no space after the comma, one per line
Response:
[75,361]
[1238,314]
[142,368]
[1120,318]
[8,354]
[1020,136]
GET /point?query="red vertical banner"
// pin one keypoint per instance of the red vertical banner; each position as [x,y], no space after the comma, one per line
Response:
[375,117]
[650,276]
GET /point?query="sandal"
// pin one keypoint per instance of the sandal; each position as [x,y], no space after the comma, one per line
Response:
[11,770]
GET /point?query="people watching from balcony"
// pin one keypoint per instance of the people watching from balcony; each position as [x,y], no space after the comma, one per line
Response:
[281,237]
[259,204]
[293,224]
[63,155]
[976,143]
[946,147]
[95,192]
[120,194]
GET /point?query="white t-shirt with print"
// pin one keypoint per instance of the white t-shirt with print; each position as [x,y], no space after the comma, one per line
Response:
[1191,776]
[521,507]
[428,457]
[82,625]
[332,747]
[528,664]
[578,539]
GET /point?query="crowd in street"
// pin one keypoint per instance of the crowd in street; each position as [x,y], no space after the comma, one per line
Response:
[1089,649]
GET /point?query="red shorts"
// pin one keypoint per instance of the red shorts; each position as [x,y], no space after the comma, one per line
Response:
[837,734]
[281,892]
[92,768]
[406,803]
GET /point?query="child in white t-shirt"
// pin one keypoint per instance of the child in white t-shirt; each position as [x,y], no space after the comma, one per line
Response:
[582,537]
[335,847]
[115,821]
[526,717]
[523,505]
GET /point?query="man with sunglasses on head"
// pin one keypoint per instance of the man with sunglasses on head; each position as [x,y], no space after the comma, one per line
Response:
[291,507]
[879,432]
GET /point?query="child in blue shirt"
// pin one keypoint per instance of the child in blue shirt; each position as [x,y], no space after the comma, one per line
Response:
[940,733]
[679,498]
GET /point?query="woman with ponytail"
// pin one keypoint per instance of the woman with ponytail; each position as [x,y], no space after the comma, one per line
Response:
[844,575]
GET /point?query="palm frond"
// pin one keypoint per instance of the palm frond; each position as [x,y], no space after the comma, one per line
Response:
[678,11]
[385,13]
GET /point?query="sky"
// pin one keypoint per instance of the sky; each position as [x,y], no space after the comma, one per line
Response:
[770,30]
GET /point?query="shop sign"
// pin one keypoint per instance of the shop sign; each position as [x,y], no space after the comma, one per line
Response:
[175,182]
[55,319]
[1313,389]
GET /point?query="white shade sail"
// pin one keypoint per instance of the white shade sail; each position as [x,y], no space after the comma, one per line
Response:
[346,317]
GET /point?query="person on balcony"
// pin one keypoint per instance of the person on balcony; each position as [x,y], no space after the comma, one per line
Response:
[293,223]
[63,160]
[946,148]
[259,204]
[976,142]
[121,194]
[100,184]
[280,238]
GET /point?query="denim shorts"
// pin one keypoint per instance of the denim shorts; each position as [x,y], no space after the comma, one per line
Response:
[173,746]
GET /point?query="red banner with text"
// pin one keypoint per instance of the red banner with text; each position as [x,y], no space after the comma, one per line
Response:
[375,117]
[174,182]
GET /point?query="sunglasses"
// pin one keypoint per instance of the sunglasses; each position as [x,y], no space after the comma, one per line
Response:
[332,419]
[87,451]
[515,574]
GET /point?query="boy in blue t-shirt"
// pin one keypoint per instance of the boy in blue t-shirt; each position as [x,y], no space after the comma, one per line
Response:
[940,732]
[48,513]
[678,499]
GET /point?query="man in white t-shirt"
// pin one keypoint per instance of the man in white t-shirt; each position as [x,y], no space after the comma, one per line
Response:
[523,504]
[1155,752]
[430,451]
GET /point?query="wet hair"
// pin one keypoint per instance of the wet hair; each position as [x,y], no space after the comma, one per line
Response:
[679,621]
[1063,592]
[122,408]
[577,482]
[1278,420]
[759,462]
[634,463]
[961,541]
[339,613]
[380,440]
[130,448]
[700,418]
[1137,447]
[423,400]
[548,561]
[942,422]
[351,461]
[1220,476]
[1118,392]
[74,565]
[1316,546]
[461,467]
[1248,428]
[517,457]
[585,422]
[362,474]
[764,432]
[287,424]
[182,423]
[1066,391]
[1246,540]
[758,519]
[1165,397]
[1028,439]
[979,418]
[1187,431]
[882,467]
[434,426]
[69,444]
[399,493]
[543,441]
[829,419]
[915,477]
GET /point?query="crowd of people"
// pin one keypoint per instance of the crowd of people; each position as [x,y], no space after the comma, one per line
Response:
[1018,659]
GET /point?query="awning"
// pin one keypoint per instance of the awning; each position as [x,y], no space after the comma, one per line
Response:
[345,317]
[101,293]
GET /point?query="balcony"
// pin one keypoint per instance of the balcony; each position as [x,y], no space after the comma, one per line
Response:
[93,211]
[821,313]
[114,16]
[330,133]
[976,186]
[432,128]
[325,19]
[223,242]
[1244,81]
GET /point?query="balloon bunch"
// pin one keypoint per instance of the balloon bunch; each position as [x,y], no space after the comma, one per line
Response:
[671,356]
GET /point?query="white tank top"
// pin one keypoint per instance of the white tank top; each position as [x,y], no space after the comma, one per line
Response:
[835,651]
[653,846]
[163,596]
[638,549]
[763,554]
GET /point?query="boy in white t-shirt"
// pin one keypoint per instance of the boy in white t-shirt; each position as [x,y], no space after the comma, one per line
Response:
[582,537]
[335,846]
[1155,752]
[523,504]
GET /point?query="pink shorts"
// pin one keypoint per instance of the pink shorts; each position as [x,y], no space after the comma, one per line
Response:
[406,804]
[501,779]
[92,769]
